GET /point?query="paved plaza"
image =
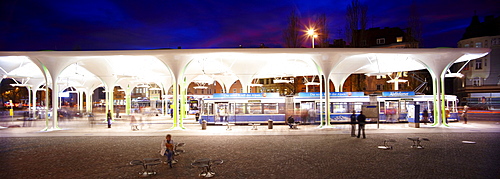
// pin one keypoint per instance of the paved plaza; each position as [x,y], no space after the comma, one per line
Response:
[83,151]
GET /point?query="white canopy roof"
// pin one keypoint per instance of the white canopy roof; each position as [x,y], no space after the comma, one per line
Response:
[84,68]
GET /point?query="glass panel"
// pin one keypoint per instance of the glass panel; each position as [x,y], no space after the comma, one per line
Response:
[340,107]
[254,108]
[240,108]
[270,108]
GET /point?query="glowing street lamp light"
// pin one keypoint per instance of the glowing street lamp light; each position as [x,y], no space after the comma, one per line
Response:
[311,33]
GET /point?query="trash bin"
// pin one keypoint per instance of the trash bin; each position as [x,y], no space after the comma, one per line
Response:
[203,125]
[270,124]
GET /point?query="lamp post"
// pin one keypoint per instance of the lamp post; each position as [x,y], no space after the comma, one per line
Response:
[311,33]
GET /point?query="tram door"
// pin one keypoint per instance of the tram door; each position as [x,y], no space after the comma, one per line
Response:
[396,110]
[223,111]
[391,110]
[308,112]
[289,108]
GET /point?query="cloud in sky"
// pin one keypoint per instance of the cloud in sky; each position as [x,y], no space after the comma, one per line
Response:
[151,24]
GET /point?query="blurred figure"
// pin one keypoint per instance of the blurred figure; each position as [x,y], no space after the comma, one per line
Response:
[290,121]
[361,124]
[353,123]
[117,113]
[464,113]
[133,123]
[197,116]
[109,117]
[425,115]
[447,113]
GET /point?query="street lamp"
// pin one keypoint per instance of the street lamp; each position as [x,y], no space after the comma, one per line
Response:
[311,33]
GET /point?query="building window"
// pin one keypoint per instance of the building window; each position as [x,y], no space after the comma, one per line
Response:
[380,87]
[399,39]
[241,90]
[466,46]
[234,90]
[381,41]
[363,43]
[476,82]
[478,45]
[479,64]
[485,62]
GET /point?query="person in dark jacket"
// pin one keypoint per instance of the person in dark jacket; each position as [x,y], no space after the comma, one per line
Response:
[353,123]
[361,124]
[109,118]
[290,121]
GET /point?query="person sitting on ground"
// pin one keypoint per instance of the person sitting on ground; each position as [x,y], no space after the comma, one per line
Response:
[167,149]
[290,121]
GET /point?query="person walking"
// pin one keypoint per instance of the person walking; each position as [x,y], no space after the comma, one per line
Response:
[361,124]
[109,118]
[353,123]
[197,116]
[464,113]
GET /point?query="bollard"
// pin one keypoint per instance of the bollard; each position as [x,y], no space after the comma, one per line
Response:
[203,125]
[270,124]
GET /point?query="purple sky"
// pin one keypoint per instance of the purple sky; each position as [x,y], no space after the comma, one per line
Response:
[152,24]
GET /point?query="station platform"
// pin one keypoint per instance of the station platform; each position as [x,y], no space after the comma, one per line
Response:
[159,126]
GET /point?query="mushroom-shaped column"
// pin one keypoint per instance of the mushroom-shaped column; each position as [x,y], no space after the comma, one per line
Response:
[177,65]
[325,64]
[437,61]
[52,66]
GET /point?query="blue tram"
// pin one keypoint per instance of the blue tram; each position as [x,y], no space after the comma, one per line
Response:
[307,107]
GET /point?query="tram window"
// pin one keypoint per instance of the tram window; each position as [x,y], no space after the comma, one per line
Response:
[270,108]
[339,107]
[402,107]
[281,108]
[207,110]
[452,106]
[240,108]
[254,108]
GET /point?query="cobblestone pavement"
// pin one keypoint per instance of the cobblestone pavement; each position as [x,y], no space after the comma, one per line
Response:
[289,155]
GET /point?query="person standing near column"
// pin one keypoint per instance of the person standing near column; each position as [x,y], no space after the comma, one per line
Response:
[353,123]
[361,124]
[109,117]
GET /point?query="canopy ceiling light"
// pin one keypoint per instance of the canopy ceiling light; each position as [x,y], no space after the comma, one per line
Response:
[203,79]
[282,81]
[453,75]
[312,83]
[143,86]
[397,80]
[20,85]
[200,87]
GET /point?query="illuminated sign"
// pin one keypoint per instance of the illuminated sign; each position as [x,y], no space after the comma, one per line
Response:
[332,94]
[398,93]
